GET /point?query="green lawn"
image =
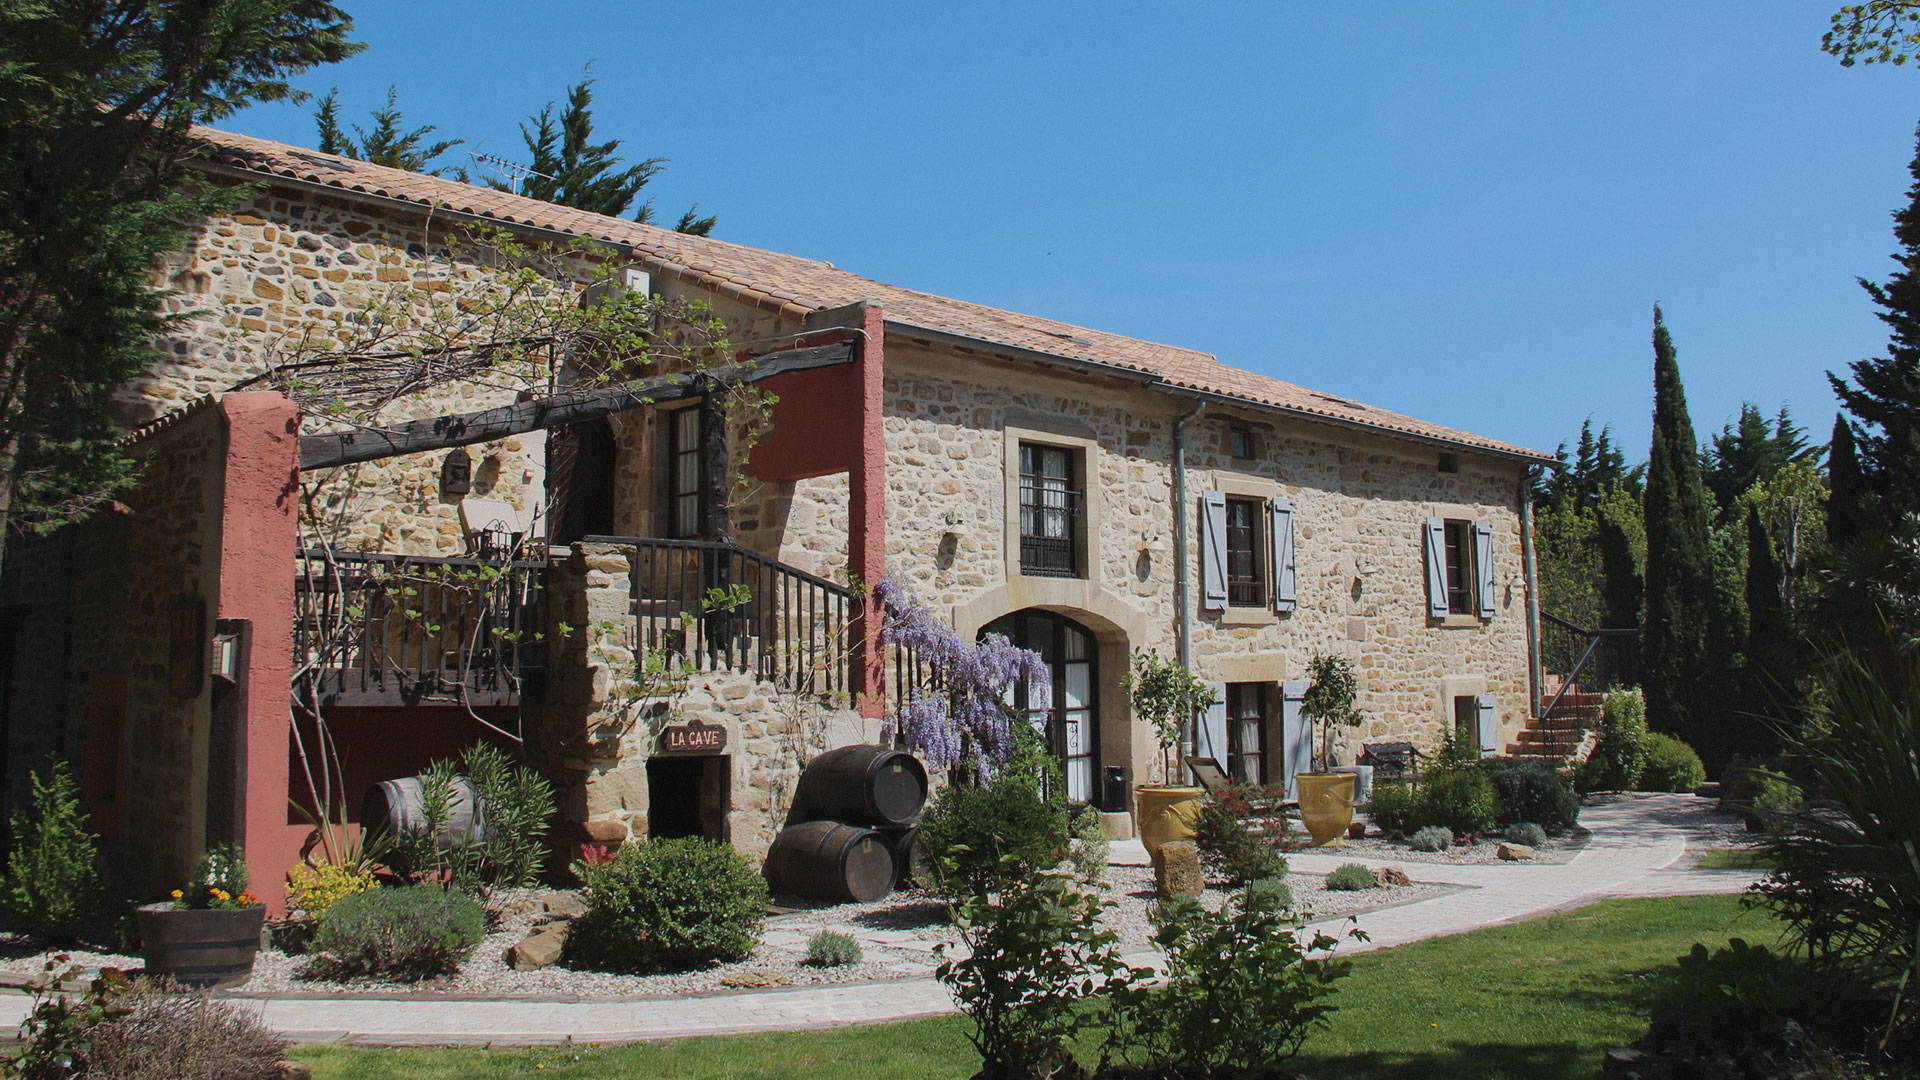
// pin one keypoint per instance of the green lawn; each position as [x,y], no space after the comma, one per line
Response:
[1539,999]
[1735,859]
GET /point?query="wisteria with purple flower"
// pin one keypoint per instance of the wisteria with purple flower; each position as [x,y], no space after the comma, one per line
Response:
[964,711]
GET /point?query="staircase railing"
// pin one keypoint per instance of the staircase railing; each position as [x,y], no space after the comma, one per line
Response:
[1594,660]
[785,625]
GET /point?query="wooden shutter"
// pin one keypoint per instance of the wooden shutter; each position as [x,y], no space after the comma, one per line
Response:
[1435,545]
[1488,725]
[1296,736]
[1211,738]
[1213,551]
[1280,528]
[1483,566]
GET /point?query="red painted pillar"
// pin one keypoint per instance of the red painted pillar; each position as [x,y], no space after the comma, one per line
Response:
[867,532]
[258,538]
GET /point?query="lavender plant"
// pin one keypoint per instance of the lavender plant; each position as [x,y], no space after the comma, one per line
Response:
[962,712]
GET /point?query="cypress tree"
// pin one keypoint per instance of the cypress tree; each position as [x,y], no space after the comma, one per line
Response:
[1884,392]
[1676,657]
[1771,644]
[1846,488]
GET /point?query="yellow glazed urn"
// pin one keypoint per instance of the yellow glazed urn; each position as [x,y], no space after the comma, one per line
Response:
[1326,806]
[1165,814]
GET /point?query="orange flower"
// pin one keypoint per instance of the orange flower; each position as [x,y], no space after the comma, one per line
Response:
[177,894]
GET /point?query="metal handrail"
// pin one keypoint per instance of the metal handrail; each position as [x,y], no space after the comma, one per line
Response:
[1594,638]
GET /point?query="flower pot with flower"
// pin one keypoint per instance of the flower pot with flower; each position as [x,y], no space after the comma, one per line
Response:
[1167,696]
[206,935]
[1327,797]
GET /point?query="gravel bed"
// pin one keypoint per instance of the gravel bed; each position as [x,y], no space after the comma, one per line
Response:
[1557,849]
[1705,825]
[896,934]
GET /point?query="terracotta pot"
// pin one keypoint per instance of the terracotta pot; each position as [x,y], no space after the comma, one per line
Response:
[1166,814]
[200,947]
[1326,806]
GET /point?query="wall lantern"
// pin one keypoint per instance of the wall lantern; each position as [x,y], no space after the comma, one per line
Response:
[456,473]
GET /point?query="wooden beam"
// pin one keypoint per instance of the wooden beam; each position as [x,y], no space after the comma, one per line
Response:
[336,448]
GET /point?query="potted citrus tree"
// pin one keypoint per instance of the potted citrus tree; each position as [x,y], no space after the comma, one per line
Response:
[1166,695]
[1326,797]
[206,934]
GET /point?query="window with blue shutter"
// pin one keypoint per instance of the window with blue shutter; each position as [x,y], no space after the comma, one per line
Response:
[1296,735]
[1483,567]
[1213,551]
[1434,546]
[1280,528]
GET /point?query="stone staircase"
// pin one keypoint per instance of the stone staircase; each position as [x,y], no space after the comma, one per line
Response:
[1564,736]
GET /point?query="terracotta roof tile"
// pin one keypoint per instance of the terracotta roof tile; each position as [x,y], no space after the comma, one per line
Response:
[794,286]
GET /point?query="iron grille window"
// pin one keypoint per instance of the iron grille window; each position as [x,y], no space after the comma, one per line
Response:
[1049,511]
[683,474]
[1241,441]
[1246,585]
[1460,576]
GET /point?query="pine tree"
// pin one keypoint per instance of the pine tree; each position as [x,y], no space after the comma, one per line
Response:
[1679,643]
[96,107]
[1884,392]
[567,167]
[390,142]
[1847,501]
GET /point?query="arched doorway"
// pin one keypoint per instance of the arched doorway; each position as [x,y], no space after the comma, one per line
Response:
[1067,716]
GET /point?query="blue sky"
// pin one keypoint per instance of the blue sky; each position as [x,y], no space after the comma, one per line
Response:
[1461,211]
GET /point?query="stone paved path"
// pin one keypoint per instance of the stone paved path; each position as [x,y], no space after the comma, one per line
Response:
[1635,847]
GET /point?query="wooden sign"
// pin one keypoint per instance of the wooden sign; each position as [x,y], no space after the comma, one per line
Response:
[693,737]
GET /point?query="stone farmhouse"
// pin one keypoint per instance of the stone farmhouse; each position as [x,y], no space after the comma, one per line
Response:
[1084,493]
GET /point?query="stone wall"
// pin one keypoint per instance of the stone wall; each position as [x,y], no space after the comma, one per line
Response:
[140,590]
[594,735]
[953,426]
[289,270]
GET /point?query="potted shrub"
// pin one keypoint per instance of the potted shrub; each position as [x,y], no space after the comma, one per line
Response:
[1327,797]
[1165,695]
[207,934]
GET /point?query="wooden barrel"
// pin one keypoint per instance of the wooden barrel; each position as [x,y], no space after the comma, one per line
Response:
[202,948]
[827,860]
[396,805]
[909,858]
[867,785]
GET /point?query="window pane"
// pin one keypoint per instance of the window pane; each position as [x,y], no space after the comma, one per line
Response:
[1080,780]
[1077,685]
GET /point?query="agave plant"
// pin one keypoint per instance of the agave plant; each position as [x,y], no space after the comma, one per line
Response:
[1848,877]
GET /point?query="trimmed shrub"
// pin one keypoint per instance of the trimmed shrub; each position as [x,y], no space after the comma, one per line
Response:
[1432,838]
[1461,799]
[1671,765]
[315,889]
[1532,791]
[1779,799]
[409,932]
[174,1036]
[1240,830]
[1350,877]
[1392,805]
[51,886]
[668,905]
[975,836]
[1621,754]
[1525,832]
[829,948]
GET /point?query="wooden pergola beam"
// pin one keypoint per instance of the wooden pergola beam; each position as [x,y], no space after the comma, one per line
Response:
[336,448]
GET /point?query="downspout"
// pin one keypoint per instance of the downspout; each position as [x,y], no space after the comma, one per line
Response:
[1532,584]
[1183,625]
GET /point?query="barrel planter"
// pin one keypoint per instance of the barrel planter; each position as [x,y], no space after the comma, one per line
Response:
[202,948]
[909,858]
[1166,814]
[1326,806]
[830,860]
[397,806]
[864,785]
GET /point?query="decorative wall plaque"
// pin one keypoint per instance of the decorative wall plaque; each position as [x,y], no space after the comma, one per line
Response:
[693,737]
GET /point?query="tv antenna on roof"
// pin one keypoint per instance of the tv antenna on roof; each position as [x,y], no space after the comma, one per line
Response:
[513,169]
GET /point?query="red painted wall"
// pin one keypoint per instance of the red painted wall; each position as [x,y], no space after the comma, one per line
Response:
[385,743]
[257,543]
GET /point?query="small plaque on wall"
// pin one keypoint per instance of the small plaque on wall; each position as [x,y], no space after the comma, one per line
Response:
[693,737]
